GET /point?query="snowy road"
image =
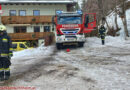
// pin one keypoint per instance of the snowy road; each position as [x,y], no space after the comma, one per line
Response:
[94,67]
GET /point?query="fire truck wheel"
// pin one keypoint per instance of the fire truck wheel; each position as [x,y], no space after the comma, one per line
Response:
[81,44]
[58,46]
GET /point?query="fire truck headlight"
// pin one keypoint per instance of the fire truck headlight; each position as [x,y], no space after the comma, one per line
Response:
[81,38]
[59,39]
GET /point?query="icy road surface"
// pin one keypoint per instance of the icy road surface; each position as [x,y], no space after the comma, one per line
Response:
[94,67]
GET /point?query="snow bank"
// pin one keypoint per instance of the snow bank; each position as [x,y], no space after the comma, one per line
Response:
[30,56]
[40,51]
[109,41]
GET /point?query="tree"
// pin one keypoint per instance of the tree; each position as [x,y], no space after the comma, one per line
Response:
[105,7]
[122,14]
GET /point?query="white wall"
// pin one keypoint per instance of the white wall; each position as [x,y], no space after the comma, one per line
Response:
[44,9]
[9,29]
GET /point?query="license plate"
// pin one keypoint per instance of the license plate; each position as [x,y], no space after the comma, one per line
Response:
[71,39]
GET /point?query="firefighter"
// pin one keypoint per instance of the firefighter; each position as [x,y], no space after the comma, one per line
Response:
[102,33]
[5,54]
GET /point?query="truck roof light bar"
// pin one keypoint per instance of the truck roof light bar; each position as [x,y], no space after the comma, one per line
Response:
[59,12]
[79,12]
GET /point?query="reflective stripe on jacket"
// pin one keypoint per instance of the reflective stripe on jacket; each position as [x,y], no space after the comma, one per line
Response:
[5,45]
[102,31]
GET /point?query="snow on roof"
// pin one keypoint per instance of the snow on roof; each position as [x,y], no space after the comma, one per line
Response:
[38,1]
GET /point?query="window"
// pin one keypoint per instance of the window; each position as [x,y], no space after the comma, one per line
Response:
[22,13]
[36,28]
[22,46]
[36,12]
[70,20]
[12,12]
[20,29]
[46,28]
[14,46]
[91,18]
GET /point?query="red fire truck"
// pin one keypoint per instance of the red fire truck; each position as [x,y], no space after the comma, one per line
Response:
[71,27]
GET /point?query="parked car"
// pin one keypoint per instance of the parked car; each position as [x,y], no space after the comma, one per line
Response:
[18,46]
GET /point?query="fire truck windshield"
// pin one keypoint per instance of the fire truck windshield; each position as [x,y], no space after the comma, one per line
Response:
[70,20]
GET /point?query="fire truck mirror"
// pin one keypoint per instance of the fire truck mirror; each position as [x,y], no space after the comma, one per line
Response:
[86,21]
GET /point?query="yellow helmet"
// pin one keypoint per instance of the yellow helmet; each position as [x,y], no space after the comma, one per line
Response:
[2,28]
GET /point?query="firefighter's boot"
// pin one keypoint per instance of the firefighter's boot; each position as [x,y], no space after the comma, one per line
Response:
[1,75]
[103,42]
[7,74]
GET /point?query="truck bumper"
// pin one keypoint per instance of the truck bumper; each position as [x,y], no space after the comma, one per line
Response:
[70,39]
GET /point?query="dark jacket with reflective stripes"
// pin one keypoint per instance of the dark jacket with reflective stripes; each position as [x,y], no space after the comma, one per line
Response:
[5,45]
[102,31]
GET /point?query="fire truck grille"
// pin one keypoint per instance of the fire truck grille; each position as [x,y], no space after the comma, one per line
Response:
[70,31]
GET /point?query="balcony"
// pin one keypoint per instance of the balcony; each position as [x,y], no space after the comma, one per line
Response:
[29,36]
[26,19]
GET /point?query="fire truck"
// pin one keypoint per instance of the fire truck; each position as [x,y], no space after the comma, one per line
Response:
[71,27]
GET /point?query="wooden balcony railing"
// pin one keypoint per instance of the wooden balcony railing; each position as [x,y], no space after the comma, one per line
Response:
[26,19]
[29,36]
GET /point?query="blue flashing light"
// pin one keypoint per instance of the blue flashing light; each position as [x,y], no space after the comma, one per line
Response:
[79,12]
[74,32]
[58,12]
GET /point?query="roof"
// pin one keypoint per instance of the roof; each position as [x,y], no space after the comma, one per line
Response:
[38,2]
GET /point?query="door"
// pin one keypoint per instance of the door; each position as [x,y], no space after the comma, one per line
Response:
[89,22]
[14,46]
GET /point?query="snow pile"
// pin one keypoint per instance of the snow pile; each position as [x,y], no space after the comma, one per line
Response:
[34,52]
[31,55]
[25,59]
[109,41]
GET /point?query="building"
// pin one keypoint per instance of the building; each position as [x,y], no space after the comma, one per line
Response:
[25,17]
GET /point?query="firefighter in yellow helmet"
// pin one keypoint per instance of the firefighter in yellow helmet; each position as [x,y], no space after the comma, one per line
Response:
[5,54]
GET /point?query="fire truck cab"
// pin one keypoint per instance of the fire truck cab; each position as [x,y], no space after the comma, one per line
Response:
[71,27]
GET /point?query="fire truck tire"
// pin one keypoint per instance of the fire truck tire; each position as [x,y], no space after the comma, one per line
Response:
[59,46]
[81,44]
